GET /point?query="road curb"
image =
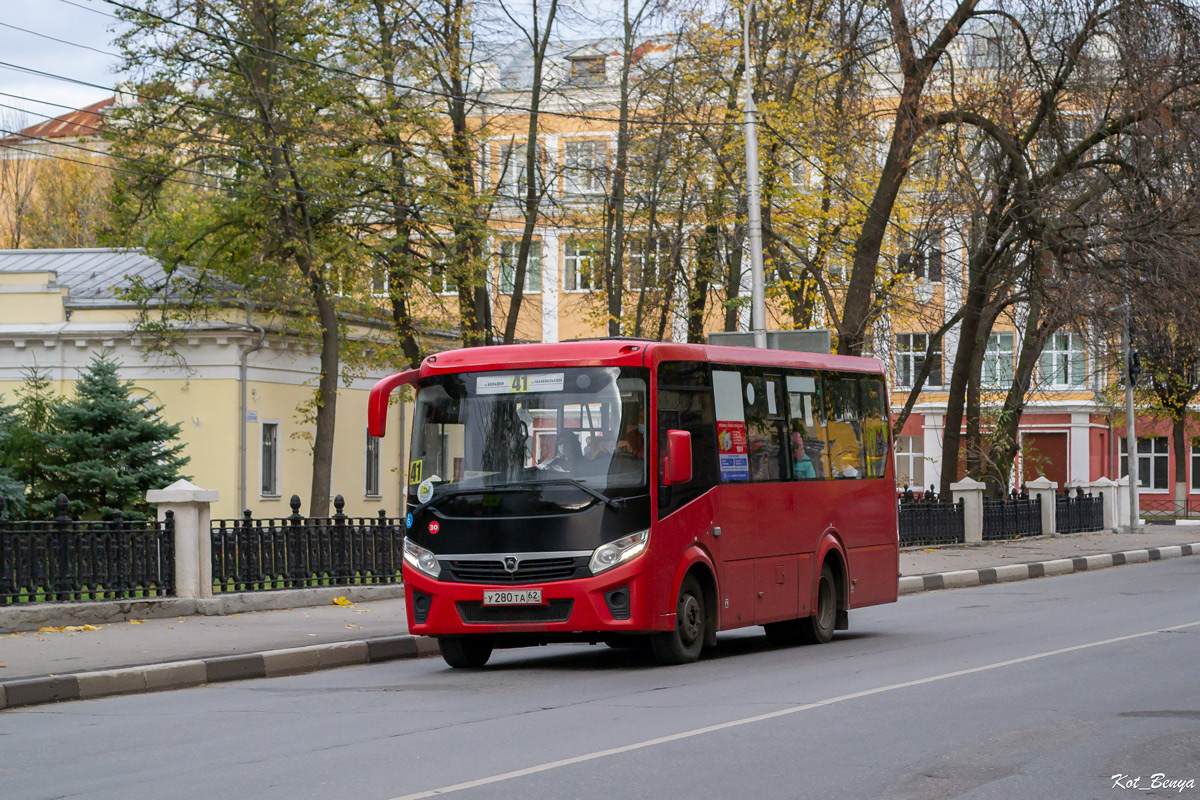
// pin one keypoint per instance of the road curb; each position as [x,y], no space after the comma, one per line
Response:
[914,584]
[197,672]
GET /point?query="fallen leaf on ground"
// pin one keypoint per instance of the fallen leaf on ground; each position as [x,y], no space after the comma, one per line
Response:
[354,627]
[170,627]
[342,601]
[136,621]
[52,629]
[78,628]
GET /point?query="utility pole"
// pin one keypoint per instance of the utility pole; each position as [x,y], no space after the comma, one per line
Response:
[1130,428]
[758,303]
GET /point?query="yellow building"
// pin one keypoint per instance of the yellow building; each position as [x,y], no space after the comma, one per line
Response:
[235,384]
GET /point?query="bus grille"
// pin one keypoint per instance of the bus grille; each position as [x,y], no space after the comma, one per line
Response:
[533,570]
[473,612]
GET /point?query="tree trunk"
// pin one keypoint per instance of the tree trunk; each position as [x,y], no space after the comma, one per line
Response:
[1179,445]
[326,417]
[533,187]
[1005,439]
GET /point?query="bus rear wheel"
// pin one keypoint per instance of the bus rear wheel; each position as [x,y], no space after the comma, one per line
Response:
[818,629]
[683,644]
[466,652]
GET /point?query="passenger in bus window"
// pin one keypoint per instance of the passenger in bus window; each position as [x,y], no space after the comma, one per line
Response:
[631,443]
[596,447]
[802,464]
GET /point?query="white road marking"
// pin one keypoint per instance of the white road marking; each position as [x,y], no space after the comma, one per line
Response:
[783,712]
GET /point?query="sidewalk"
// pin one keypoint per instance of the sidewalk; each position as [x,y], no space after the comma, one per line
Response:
[123,657]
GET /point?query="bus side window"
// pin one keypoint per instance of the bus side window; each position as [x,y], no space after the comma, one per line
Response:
[806,436]
[843,427]
[764,425]
[875,428]
[685,403]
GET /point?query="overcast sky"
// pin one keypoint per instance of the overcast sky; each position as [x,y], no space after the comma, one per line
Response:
[62,21]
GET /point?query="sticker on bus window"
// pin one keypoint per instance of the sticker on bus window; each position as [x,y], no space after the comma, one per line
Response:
[414,471]
[520,383]
[733,455]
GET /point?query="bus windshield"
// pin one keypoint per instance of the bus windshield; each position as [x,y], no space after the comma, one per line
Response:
[578,427]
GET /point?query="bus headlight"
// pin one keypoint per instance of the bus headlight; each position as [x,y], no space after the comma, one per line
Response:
[421,559]
[610,555]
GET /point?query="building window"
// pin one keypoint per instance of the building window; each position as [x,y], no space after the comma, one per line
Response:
[583,166]
[371,467]
[269,460]
[1062,363]
[581,267]
[998,360]
[910,461]
[512,180]
[925,258]
[507,255]
[440,279]
[587,71]
[1196,465]
[1152,461]
[910,358]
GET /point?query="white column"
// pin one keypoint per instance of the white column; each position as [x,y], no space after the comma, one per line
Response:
[971,493]
[1044,488]
[952,292]
[193,536]
[1079,442]
[550,285]
[934,424]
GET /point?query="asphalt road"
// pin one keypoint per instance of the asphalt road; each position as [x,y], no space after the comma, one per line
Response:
[1044,688]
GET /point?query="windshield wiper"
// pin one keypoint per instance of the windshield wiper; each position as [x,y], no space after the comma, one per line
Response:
[608,501]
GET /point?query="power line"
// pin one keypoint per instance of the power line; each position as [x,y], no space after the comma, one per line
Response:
[56,39]
[407,87]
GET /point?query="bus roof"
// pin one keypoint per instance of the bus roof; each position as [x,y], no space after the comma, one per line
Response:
[631,352]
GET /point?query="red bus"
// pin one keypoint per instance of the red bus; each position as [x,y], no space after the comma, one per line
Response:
[632,492]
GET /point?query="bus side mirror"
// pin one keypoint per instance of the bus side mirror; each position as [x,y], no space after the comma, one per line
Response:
[677,466]
[377,403]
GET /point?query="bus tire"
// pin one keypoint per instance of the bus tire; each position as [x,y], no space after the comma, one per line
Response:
[683,644]
[466,652]
[818,629]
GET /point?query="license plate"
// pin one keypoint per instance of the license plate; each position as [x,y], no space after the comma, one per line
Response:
[513,597]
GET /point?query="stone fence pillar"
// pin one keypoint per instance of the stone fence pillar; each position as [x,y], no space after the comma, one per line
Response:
[1107,488]
[1045,488]
[971,493]
[193,537]
[1123,503]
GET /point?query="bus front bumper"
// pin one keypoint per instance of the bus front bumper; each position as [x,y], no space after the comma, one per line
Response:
[582,605]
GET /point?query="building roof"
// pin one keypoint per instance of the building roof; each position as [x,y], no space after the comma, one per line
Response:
[83,122]
[91,275]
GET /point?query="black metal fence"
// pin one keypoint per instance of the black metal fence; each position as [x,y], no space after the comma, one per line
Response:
[297,552]
[65,560]
[1011,518]
[927,522]
[1079,513]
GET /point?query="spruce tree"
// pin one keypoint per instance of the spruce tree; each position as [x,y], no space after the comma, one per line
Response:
[11,489]
[110,447]
[28,449]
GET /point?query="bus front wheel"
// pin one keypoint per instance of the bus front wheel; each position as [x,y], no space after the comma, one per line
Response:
[466,652]
[683,644]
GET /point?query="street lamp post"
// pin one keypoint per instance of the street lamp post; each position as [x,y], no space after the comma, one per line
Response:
[1131,457]
[758,303]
